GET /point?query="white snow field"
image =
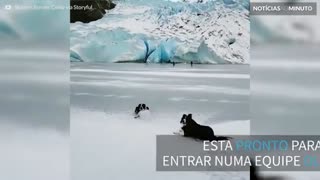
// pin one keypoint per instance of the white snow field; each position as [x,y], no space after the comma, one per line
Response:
[34,113]
[34,92]
[285,98]
[109,143]
[215,32]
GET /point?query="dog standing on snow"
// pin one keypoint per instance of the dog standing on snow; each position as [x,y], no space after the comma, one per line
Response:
[140,108]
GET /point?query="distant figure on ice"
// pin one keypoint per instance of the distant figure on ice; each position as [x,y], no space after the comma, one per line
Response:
[139,108]
[191,63]
[173,63]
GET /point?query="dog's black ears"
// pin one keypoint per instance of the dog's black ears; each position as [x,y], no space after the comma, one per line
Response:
[183,118]
[189,116]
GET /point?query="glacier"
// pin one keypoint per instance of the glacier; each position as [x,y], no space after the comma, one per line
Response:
[164,31]
[160,19]
[23,24]
[114,45]
[163,53]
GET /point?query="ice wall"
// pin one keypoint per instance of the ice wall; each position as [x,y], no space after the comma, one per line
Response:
[16,24]
[160,31]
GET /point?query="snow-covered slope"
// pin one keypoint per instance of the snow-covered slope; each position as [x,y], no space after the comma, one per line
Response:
[205,31]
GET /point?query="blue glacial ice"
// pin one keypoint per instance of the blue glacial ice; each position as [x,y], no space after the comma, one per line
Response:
[163,53]
[75,57]
[24,24]
[121,46]
[162,31]
[203,55]
[111,46]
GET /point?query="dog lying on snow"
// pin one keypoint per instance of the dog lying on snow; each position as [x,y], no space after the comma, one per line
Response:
[190,128]
[139,108]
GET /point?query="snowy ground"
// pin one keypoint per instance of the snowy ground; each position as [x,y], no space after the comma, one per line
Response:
[285,98]
[284,89]
[108,143]
[34,113]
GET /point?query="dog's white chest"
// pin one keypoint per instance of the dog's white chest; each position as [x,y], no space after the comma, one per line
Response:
[144,114]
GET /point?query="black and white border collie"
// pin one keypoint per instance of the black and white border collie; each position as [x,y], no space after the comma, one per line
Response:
[190,128]
[139,108]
